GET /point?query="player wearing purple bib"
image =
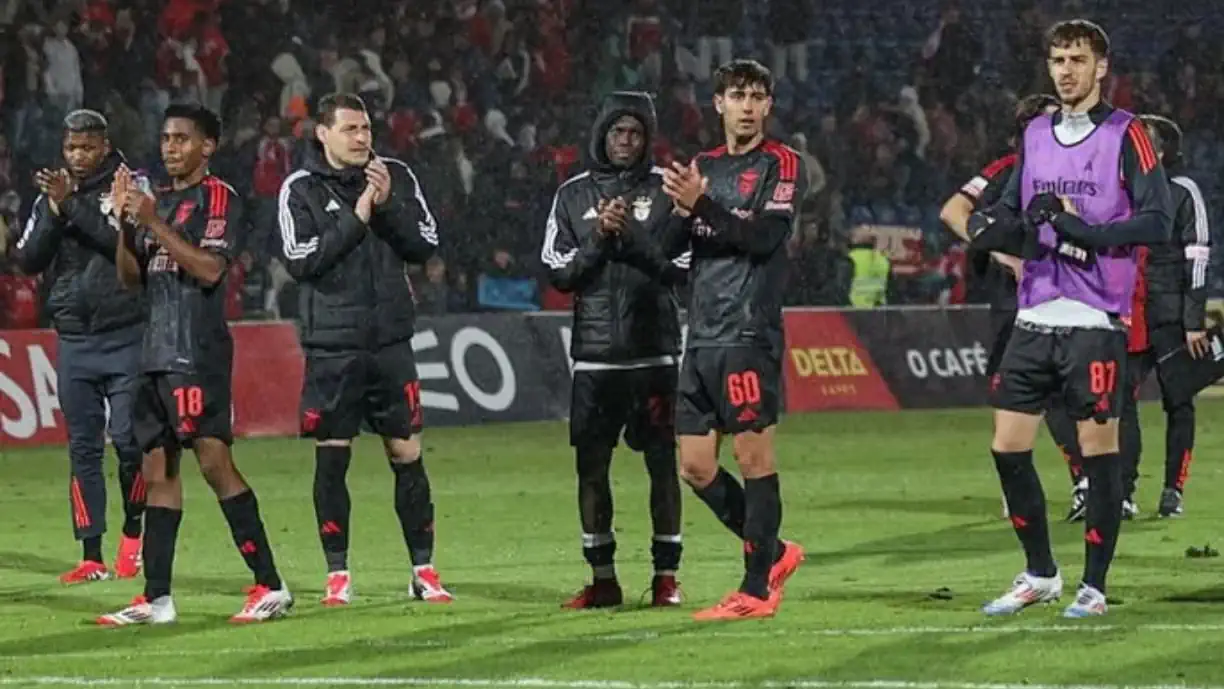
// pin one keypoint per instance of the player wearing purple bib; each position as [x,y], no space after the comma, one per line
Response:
[1087,191]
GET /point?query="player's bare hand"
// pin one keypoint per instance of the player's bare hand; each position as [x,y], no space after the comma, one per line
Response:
[612,216]
[379,177]
[140,208]
[365,203]
[56,184]
[684,184]
[121,187]
[1068,205]
[1197,344]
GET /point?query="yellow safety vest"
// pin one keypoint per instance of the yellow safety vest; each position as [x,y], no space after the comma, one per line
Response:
[871,267]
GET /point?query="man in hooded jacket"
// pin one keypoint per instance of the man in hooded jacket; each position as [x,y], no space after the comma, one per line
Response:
[69,239]
[604,242]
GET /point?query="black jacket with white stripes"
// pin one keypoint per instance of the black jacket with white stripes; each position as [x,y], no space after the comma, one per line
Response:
[625,306]
[1175,273]
[354,291]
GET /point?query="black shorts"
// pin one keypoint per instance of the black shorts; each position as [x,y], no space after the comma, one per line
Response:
[640,402]
[342,389]
[1084,367]
[1001,324]
[728,389]
[173,409]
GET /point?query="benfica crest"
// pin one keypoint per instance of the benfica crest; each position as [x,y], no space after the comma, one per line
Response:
[641,208]
[748,181]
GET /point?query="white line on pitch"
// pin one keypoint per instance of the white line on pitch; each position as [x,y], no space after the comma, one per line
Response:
[545,683]
[637,636]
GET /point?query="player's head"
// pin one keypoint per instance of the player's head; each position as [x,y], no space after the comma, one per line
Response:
[1029,107]
[1166,138]
[1077,55]
[344,130]
[189,138]
[743,97]
[624,129]
[86,142]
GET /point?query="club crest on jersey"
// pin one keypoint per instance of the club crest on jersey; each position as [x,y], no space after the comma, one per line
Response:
[641,208]
[747,181]
[215,229]
[183,213]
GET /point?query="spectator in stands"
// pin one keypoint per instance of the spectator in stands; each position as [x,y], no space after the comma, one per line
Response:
[503,284]
[433,295]
[952,54]
[62,77]
[789,24]
[716,24]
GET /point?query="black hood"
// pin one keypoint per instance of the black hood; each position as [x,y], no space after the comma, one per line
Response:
[615,105]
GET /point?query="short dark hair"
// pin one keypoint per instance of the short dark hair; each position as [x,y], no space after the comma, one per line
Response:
[329,104]
[85,122]
[1067,33]
[204,119]
[1166,138]
[742,73]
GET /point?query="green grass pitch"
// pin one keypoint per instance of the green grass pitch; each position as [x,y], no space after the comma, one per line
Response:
[891,508]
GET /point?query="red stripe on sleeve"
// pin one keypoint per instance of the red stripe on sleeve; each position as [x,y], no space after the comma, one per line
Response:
[218,197]
[1143,146]
[788,160]
[999,166]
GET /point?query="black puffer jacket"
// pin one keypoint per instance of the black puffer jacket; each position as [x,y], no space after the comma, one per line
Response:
[75,252]
[354,284]
[625,306]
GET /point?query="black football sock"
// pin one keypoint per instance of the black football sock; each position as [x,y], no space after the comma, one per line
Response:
[665,503]
[132,483]
[1027,506]
[1103,520]
[161,535]
[332,504]
[725,496]
[763,520]
[92,546]
[665,551]
[1179,446]
[415,508]
[242,513]
[600,553]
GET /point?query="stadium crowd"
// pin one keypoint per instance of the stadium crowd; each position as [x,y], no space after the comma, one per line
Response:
[491,101]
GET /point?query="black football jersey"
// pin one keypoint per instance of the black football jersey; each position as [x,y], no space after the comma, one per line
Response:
[187,331]
[738,240]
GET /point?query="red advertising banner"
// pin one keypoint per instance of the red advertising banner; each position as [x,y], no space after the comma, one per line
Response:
[267,383]
[826,366]
[29,402]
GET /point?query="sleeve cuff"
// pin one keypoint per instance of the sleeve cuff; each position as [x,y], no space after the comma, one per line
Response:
[702,207]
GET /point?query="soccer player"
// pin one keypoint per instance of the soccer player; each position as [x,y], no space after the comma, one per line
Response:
[70,239]
[1169,315]
[179,245]
[1088,179]
[999,271]
[741,201]
[603,242]
[349,221]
